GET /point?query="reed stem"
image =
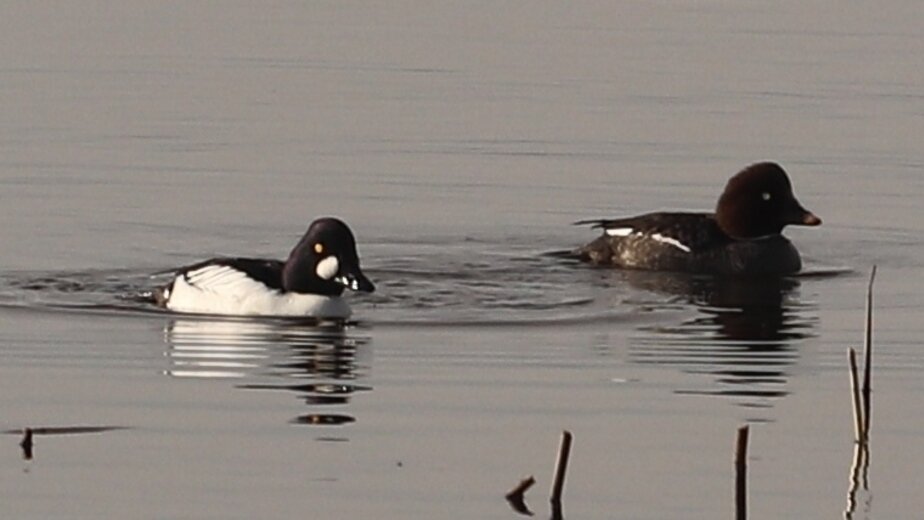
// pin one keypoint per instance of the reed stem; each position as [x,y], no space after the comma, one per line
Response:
[561,468]
[858,420]
[741,473]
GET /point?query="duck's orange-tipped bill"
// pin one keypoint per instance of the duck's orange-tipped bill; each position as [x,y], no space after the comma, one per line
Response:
[810,219]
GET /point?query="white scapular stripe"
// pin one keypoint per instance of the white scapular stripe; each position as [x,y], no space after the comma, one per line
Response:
[671,241]
[222,279]
[619,232]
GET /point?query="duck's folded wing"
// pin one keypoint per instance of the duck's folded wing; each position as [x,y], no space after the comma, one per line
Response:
[631,224]
[649,222]
[234,275]
[686,231]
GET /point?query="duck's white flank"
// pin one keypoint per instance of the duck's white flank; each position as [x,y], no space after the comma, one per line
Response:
[220,289]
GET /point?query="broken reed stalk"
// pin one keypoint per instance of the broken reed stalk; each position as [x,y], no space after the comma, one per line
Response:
[862,396]
[741,473]
[858,422]
[26,443]
[561,468]
[522,487]
[516,497]
[868,357]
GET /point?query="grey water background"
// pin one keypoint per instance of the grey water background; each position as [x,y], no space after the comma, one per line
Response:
[459,140]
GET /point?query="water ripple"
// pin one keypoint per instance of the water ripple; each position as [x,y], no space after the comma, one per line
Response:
[742,335]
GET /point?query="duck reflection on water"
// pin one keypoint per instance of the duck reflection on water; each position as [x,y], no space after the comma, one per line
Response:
[319,363]
[745,334]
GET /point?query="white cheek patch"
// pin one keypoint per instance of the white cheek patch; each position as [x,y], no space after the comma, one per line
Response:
[670,241]
[619,232]
[328,268]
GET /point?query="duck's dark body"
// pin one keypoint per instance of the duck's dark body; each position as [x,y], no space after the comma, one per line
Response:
[688,242]
[742,237]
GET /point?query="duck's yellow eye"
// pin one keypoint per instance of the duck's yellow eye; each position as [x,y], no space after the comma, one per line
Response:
[318,248]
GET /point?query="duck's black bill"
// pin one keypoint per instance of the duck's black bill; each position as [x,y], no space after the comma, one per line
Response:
[355,280]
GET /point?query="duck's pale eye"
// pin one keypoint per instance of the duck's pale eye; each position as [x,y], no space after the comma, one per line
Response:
[318,248]
[765,195]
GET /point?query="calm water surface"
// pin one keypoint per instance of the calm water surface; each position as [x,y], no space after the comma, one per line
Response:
[460,142]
